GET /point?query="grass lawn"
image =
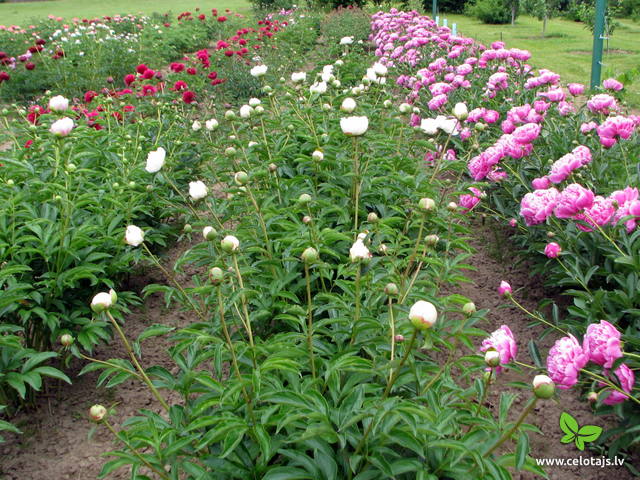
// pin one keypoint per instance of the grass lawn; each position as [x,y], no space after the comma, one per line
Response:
[566,48]
[21,13]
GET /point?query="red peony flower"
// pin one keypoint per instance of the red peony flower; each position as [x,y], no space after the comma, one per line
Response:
[180,85]
[89,95]
[141,68]
[212,75]
[129,79]
[177,67]
[148,74]
[191,71]
[188,96]
[222,19]
[4,76]
[29,65]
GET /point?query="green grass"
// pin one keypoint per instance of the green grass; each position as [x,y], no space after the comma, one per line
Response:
[566,48]
[22,13]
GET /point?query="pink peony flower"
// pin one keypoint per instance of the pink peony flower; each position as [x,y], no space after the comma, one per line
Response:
[468,201]
[503,341]
[552,250]
[526,133]
[504,289]
[587,127]
[564,362]
[627,379]
[535,207]
[576,89]
[599,214]
[540,183]
[602,103]
[612,84]
[573,200]
[562,168]
[602,343]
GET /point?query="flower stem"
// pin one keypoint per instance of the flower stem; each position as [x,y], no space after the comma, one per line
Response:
[528,409]
[132,355]
[395,375]
[356,183]
[245,310]
[487,383]
[536,317]
[392,325]
[310,321]
[610,384]
[356,315]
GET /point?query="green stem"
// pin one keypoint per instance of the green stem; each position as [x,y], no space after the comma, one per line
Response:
[393,379]
[392,325]
[487,383]
[132,355]
[112,365]
[529,408]
[610,384]
[536,317]
[245,310]
[356,184]
[310,321]
[356,315]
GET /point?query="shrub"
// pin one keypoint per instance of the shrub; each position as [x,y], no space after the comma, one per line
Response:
[490,11]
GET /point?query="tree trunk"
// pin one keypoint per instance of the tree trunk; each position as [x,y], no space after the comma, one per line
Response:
[514,7]
[544,25]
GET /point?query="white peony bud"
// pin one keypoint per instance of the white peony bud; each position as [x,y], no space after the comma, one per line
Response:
[230,244]
[317,155]
[348,105]
[58,103]
[423,315]
[258,71]
[460,111]
[101,302]
[211,124]
[196,126]
[62,127]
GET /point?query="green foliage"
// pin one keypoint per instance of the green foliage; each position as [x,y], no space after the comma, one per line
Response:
[490,11]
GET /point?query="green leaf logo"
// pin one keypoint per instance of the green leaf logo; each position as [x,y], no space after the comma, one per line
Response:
[575,433]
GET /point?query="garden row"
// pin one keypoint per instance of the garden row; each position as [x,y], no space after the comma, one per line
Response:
[76,173]
[558,167]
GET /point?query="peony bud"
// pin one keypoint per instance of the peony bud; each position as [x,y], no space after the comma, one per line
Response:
[592,397]
[196,126]
[304,198]
[241,178]
[431,240]
[58,104]
[209,233]
[133,236]
[310,255]
[391,289]
[97,413]
[372,217]
[348,105]
[230,115]
[552,250]
[492,358]
[426,204]
[230,244]
[354,126]
[229,151]
[504,289]
[460,111]
[543,386]
[216,275]
[62,127]
[187,228]
[469,308]
[306,219]
[66,340]
[211,124]
[404,108]
[101,302]
[423,315]
[452,206]
[273,167]
[317,155]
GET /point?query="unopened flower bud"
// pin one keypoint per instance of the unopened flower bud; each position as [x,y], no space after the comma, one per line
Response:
[310,255]
[452,206]
[592,397]
[469,308]
[97,413]
[372,217]
[101,302]
[543,386]
[230,151]
[66,340]
[550,234]
[304,198]
[427,204]
[504,289]
[423,315]
[230,115]
[399,338]
[187,228]
[230,244]
[273,167]
[306,219]
[492,358]
[431,240]
[209,233]
[216,275]
[71,167]
[317,155]
[241,178]
[391,289]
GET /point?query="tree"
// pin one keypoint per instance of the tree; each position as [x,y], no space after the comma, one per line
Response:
[543,10]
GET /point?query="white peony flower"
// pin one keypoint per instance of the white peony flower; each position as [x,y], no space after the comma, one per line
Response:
[359,250]
[197,190]
[317,155]
[211,124]
[354,126]
[133,236]
[318,87]
[155,160]
[298,77]
[346,40]
[254,102]
[380,69]
[196,126]
[259,71]
[245,111]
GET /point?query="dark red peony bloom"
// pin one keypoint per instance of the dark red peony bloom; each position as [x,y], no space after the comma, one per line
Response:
[90,95]
[177,67]
[141,68]
[29,65]
[148,74]
[180,85]
[191,71]
[129,79]
[188,97]
[4,76]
